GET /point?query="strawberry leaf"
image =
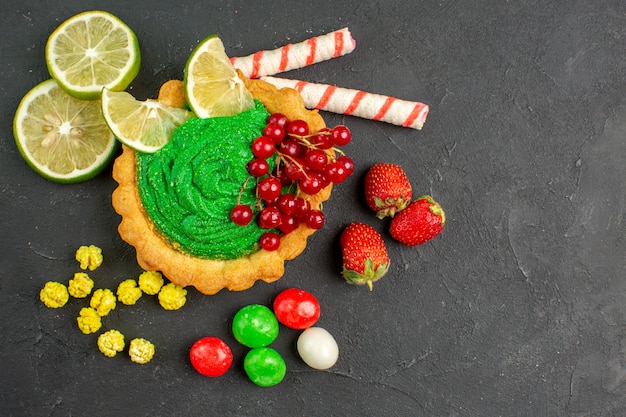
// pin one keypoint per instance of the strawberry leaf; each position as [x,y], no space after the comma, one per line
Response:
[371,273]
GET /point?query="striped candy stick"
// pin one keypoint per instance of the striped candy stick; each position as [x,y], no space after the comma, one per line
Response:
[297,55]
[356,103]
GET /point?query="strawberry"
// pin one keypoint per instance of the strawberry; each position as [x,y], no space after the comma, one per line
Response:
[365,257]
[387,189]
[421,221]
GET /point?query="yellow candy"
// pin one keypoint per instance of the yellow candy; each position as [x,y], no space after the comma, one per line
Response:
[128,292]
[54,294]
[103,301]
[151,282]
[111,342]
[89,320]
[172,296]
[141,351]
[89,257]
[80,286]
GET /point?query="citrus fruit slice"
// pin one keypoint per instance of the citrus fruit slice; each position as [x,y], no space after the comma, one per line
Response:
[212,86]
[145,126]
[63,138]
[92,50]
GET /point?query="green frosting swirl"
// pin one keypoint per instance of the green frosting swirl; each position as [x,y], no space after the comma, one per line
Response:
[189,186]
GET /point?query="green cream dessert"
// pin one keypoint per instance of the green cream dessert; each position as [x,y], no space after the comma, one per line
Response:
[189,186]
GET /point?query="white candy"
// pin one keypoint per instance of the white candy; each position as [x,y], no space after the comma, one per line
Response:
[318,348]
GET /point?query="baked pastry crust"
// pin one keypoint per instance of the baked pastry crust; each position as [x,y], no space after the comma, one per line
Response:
[206,275]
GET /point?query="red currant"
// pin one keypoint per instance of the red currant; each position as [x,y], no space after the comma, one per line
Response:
[340,135]
[286,203]
[310,184]
[302,208]
[316,159]
[348,164]
[269,188]
[335,172]
[322,139]
[275,132]
[289,147]
[263,147]
[288,223]
[279,172]
[296,308]
[272,203]
[241,215]
[315,219]
[294,170]
[277,118]
[258,167]
[269,218]
[297,128]
[269,241]
[210,356]
[325,182]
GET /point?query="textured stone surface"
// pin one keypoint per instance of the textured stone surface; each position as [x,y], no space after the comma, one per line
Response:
[517,309]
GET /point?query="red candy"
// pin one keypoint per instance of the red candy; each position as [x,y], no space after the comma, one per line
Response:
[210,356]
[296,308]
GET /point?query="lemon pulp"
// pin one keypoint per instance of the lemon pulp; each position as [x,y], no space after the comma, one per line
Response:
[212,86]
[92,50]
[145,126]
[63,138]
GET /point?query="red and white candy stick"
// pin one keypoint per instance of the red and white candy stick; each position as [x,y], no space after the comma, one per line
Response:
[356,103]
[297,55]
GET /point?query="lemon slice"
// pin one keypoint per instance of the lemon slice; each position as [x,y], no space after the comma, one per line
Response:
[63,138]
[145,126]
[212,86]
[92,50]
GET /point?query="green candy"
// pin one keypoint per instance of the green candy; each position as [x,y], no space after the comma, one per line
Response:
[264,366]
[255,326]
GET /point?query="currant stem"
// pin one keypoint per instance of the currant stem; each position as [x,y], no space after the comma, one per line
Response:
[339,151]
[287,158]
[243,187]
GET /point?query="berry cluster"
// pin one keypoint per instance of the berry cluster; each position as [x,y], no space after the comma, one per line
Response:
[304,163]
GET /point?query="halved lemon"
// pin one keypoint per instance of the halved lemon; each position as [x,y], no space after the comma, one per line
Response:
[92,50]
[63,138]
[212,86]
[145,126]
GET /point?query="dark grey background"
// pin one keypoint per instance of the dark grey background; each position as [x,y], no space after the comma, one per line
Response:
[517,309]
